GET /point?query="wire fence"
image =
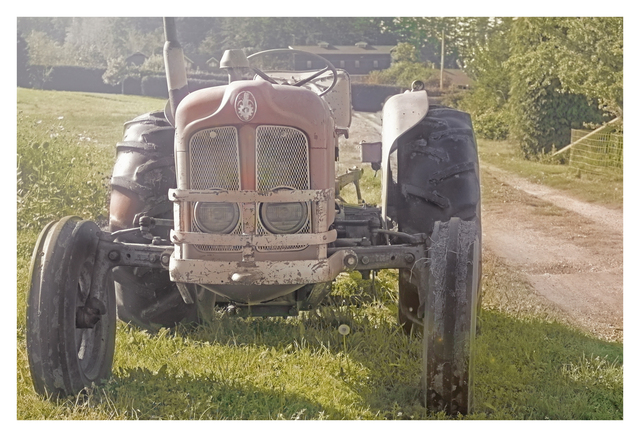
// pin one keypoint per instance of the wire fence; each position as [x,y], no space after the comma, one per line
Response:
[600,153]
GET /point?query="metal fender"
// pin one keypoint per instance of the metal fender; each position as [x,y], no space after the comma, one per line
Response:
[399,114]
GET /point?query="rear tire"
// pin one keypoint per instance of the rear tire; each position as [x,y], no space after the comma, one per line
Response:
[70,340]
[143,173]
[438,178]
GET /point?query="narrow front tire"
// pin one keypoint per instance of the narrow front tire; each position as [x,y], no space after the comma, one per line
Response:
[70,337]
[450,316]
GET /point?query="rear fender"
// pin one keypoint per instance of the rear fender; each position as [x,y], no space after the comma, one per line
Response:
[399,114]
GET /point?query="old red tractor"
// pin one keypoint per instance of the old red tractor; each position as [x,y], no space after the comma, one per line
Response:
[227,199]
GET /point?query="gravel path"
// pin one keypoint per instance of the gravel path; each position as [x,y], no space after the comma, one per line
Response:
[570,251]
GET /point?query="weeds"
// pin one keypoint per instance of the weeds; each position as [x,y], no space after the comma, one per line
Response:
[58,174]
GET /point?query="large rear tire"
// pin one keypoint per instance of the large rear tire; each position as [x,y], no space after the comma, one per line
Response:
[70,338]
[143,173]
[438,178]
[450,316]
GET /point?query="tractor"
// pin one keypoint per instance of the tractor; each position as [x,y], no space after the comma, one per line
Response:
[228,200]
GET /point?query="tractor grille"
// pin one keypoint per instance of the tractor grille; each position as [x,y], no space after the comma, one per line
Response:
[282,161]
[215,163]
[214,159]
[282,158]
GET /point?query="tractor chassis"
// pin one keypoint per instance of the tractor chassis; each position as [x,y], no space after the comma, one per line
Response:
[409,254]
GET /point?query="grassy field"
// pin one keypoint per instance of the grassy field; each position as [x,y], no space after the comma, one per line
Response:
[530,363]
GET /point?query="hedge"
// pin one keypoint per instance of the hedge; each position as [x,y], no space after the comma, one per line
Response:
[70,78]
[541,117]
[364,97]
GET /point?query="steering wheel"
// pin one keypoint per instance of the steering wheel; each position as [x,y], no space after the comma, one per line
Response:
[328,67]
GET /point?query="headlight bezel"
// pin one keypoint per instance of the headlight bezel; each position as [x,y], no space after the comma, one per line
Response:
[270,223]
[206,226]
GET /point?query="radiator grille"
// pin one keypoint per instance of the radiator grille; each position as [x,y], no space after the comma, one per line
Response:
[215,163]
[282,160]
[214,159]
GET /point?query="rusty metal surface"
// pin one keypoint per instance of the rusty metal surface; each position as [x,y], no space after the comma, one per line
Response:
[250,240]
[259,272]
[388,257]
[253,239]
[245,196]
[110,254]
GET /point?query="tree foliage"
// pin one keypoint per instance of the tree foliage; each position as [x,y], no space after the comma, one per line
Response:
[23,61]
[89,40]
[544,107]
[488,99]
[537,78]
[590,58]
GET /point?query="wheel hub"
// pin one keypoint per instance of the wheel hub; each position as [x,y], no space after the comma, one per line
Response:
[89,315]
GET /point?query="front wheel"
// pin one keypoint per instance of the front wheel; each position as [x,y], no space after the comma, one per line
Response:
[70,337]
[450,316]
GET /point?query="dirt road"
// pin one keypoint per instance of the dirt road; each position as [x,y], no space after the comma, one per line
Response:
[569,251]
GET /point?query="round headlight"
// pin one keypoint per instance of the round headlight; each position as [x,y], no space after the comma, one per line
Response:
[284,218]
[216,218]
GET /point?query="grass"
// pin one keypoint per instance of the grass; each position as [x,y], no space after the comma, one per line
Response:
[530,364]
[601,189]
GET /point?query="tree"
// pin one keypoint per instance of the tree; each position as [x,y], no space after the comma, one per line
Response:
[486,64]
[536,78]
[543,108]
[590,59]
[277,32]
[404,52]
[91,41]
[44,51]
[404,69]
[55,28]
[23,61]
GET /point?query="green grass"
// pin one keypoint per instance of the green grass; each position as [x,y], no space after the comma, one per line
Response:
[99,117]
[602,189]
[530,363]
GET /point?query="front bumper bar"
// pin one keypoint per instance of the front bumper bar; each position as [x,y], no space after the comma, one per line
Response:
[260,272]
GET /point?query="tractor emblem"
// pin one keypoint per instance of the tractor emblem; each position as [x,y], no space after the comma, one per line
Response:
[246,106]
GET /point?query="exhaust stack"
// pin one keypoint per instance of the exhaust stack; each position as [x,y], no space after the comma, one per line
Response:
[174,66]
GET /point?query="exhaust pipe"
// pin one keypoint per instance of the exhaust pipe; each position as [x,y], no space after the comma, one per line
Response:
[174,66]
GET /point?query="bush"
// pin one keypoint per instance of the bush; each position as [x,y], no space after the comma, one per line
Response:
[491,125]
[403,74]
[542,117]
[132,86]
[155,86]
[23,62]
[198,84]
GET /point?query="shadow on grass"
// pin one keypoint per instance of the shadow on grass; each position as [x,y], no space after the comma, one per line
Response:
[145,394]
[524,370]
[531,369]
